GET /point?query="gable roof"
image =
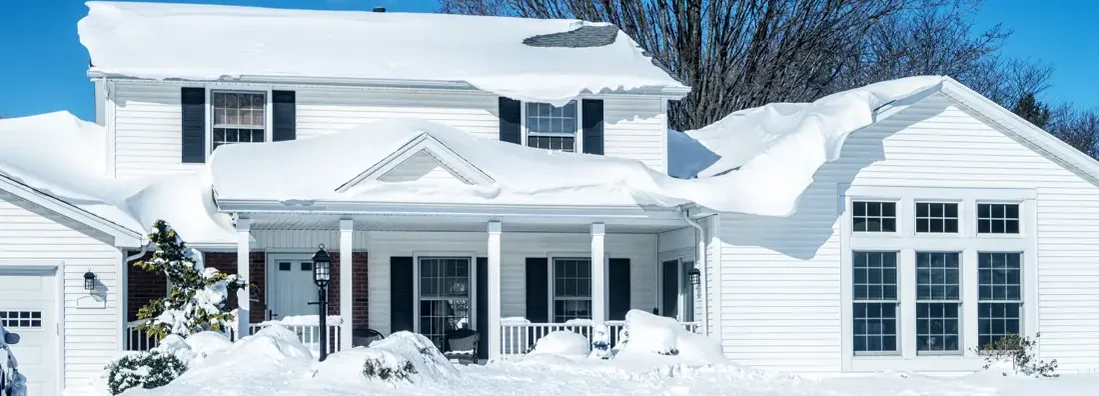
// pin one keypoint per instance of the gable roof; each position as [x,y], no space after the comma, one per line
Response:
[527,59]
[123,236]
[424,143]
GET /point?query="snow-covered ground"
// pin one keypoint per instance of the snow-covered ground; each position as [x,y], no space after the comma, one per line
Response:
[273,362]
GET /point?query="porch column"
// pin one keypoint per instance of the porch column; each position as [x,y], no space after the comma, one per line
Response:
[598,275]
[494,229]
[244,296]
[347,296]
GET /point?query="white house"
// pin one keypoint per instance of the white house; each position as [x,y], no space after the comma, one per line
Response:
[916,223]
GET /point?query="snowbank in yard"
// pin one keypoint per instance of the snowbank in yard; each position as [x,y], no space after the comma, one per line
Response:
[207,343]
[651,334]
[562,343]
[396,352]
[143,40]
[305,320]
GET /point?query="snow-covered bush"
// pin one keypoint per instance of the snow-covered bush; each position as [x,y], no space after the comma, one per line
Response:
[197,298]
[401,357]
[143,369]
[562,343]
[650,334]
[1019,351]
[386,371]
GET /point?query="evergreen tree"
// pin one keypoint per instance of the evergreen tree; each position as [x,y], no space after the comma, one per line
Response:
[197,299]
[1032,110]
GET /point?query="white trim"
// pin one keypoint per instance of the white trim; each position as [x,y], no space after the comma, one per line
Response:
[417,255]
[907,243]
[211,88]
[244,295]
[423,142]
[715,241]
[493,332]
[123,237]
[578,137]
[110,124]
[599,261]
[45,267]
[664,126]
[347,287]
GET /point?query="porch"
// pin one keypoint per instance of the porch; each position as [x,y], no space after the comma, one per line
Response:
[436,276]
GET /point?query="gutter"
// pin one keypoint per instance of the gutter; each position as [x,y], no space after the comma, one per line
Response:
[700,261]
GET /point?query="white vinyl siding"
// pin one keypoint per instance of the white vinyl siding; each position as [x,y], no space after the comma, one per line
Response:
[781,288]
[92,330]
[147,120]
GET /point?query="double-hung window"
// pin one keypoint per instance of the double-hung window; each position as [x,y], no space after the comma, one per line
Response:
[875,302]
[571,289]
[551,127]
[938,302]
[444,296]
[239,117]
[999,295]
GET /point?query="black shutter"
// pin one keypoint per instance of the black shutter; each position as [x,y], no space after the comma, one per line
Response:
[538,289]
[510,124]
[283,116]
[669,290]
[401,298]
[193,102]
[482,307]
[618,281]
[593,126]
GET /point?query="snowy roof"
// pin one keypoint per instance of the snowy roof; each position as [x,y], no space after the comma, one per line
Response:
[549,60]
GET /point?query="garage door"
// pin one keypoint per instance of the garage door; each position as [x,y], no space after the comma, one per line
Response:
[28,307]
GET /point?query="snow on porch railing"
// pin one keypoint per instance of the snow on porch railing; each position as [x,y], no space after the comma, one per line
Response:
[139,340]
[308,329]
[518,335]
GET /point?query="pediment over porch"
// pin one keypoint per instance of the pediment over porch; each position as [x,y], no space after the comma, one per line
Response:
[423,158]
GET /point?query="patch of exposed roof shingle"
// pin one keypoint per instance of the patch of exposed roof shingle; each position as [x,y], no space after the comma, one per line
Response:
[583,37]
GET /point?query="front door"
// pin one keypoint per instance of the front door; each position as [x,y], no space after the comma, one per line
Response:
[291,289]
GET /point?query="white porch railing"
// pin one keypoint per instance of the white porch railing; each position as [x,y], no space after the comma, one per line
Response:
[309,335]
[518,338]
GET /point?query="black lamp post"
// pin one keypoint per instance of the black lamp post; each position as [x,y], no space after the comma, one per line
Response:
[322,274]
[695,276]
[89,280]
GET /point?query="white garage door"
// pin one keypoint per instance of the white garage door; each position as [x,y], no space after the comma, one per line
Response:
[28,308]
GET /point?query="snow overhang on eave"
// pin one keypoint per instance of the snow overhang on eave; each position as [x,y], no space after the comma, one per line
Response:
[123,236]
[670,92]
[653,213]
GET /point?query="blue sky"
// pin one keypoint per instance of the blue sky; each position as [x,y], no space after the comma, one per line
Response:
[42,64]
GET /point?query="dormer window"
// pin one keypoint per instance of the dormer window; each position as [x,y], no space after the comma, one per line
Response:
[239,117]
[552,128]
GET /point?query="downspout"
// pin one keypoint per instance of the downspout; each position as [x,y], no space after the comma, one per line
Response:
[700,261]
[143,252]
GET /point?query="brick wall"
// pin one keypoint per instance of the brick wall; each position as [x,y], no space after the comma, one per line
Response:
[143,286]
[360,292]
[257,269]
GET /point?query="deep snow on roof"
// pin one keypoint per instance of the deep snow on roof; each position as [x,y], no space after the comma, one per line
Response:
[561,58]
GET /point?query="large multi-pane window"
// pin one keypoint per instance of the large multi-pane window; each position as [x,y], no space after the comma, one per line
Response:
[938,302]
[571,289]
[936,217]
[239,117]
[444,296]
[551,127]
[874,216]
[875,301]
[998,218]
[999,295]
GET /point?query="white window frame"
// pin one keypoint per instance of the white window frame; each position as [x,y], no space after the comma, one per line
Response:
[908,242]
[472,256]
[553,279]
[579,139]
[266,90]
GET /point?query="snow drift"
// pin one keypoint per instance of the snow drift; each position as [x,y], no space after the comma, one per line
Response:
[403,352]
[649,334]
[562,343]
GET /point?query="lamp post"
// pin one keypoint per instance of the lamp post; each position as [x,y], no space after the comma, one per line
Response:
[322,274]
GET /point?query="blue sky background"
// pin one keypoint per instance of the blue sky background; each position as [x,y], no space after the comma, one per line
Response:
[42,63]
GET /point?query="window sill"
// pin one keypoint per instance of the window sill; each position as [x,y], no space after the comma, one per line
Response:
[921,363]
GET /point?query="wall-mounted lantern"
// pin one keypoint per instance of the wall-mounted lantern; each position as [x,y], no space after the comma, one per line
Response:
[89,280]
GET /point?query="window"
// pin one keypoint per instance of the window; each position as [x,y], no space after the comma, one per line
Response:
[997,218]
[938,298]
[552,128]
[874,216]
[444,296]
[21,319]
[999,295]
[571,289]
[284,266]
[239,117]
[875,298]
[936,217]
[307,266]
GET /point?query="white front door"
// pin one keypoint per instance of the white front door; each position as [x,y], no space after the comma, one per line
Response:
[28,307]
[291,288]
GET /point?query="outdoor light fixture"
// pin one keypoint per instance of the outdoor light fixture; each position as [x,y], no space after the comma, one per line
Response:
[322,274]
[89,280]
[695,276]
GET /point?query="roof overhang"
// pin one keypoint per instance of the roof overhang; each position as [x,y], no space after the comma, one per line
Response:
[670,92]
[123,237]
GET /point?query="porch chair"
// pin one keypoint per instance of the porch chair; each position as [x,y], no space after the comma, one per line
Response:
[461,345]
[364,337]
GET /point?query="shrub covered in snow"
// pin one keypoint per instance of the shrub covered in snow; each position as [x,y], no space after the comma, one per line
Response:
[197,299]
[1019,351]
[401,357]
[562,343]
[650,334]
[143,369]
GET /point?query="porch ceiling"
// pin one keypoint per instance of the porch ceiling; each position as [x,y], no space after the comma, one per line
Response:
[374,222]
